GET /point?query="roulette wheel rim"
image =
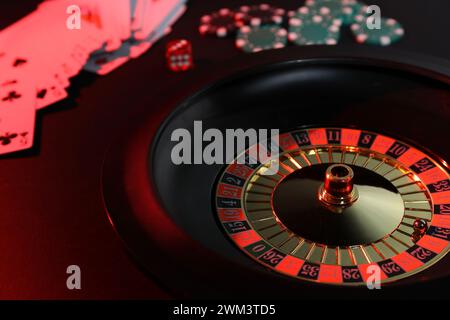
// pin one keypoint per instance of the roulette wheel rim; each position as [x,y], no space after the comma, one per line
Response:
[304,214]
[128,210]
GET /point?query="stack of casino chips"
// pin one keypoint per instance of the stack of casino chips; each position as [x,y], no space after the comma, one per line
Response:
[256,27]
[308,26]
[318,22]
[345,13]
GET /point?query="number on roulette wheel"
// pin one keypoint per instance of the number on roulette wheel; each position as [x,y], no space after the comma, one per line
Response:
[362,181]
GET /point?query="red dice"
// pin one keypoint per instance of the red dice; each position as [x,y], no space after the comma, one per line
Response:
[179,55]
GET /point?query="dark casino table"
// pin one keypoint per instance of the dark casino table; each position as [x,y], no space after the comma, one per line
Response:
[98,189]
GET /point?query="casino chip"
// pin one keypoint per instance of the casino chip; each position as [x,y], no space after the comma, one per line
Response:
[308,27]
[343,9]
[330,7]
[257,15]
[219,23]
[390,31]
[351,10]
[254,39]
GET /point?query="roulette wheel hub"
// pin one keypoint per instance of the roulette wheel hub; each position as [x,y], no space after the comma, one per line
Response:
[167,214]
[355,218]
[338,189]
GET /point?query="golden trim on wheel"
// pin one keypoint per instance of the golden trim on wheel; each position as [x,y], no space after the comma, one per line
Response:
[398,222]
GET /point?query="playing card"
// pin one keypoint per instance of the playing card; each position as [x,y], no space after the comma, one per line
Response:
[168,21]
[155,14]
[163,29]
[48,86]
[102,62]
[51,63]
[138,15]
[17,112]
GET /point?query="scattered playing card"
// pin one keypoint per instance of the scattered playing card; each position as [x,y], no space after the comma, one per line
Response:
[17,112]
[42,53]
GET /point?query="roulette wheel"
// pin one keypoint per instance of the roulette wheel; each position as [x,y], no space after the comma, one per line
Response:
[362,179]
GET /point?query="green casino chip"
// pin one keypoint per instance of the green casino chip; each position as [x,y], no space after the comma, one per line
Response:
[351,10]
[254,39]
[308,27]
[390,31]
[343,9]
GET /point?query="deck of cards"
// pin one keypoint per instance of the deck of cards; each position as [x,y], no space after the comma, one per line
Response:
[42,51]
